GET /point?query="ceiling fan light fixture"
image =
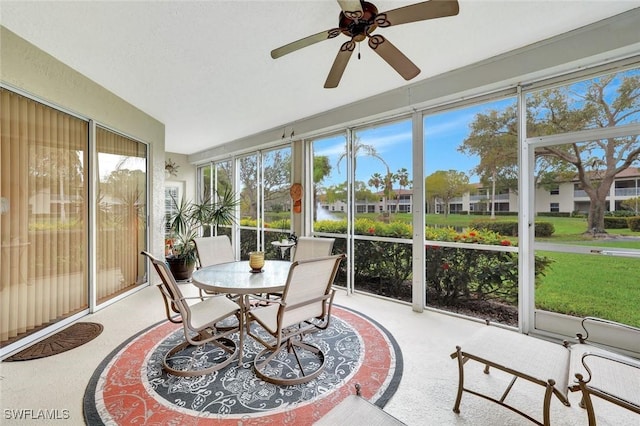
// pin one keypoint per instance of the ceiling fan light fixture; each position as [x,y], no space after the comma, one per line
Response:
[358,19]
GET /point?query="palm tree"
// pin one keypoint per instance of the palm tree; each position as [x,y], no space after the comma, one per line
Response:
[402,177]
[361,149]
[364,150]
[376,181]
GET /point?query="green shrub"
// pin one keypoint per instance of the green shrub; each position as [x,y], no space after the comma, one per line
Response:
[332,226]
[510,228]
[365,226]
[452,274]
[544,229]
[248,222]
[554,214]
[507,228]
[457,274]
[619,213]
[611,222]
[634,223]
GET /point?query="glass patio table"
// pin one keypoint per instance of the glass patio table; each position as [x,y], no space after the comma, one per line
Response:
[237,278]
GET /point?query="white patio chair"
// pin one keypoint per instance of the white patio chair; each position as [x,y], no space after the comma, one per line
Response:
[312,247]
[213,251]
[190,358]
[309,248]
[305,307]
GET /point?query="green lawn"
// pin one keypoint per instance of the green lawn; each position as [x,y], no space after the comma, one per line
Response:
[581,285]
[567,229]
[574,284]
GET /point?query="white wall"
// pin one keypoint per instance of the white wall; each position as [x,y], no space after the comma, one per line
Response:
[186,176]
[29,70]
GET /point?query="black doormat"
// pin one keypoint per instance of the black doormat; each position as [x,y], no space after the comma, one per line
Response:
[64,340]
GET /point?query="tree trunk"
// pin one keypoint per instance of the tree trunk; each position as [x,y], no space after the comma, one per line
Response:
[493,196]
[598,205]
[595,221]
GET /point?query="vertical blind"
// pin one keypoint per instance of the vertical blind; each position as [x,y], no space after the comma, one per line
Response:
[43,227]
[121,213]
[44,211]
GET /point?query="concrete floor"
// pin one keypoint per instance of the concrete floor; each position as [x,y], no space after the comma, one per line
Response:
[425,396]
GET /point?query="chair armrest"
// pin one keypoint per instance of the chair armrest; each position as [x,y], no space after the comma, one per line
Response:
[604,356]
[617,380]
[586,321]
[202,297]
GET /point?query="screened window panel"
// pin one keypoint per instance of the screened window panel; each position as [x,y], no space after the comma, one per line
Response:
[471,170]
[329,180]
[171,197]
[248,171]
[215,181]
[277,200]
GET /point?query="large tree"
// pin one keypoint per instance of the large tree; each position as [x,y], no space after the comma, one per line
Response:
[609,101]
[321,169]
[603,102]
[494,139]
[445,185]
[275,180]
[336,193]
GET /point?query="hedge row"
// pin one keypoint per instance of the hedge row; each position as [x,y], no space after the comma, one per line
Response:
[452,274]
[559,214]
[542,229]
[611,222]
[634,223]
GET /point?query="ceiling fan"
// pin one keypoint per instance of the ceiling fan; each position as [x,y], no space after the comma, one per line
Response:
[358,20]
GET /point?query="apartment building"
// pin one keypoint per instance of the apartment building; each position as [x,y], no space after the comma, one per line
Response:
[566,197]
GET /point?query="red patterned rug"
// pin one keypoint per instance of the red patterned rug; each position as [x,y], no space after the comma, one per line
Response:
[130,387]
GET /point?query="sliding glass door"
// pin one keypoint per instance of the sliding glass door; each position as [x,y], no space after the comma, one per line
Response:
[46,217]
[121,202]
[43,221]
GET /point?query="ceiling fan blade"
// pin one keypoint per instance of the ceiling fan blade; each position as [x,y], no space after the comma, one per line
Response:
[393,56]
[339,64]
[304,42]
[418,12]
[352,9]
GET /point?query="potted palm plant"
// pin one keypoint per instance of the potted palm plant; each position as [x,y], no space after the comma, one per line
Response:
[188,220]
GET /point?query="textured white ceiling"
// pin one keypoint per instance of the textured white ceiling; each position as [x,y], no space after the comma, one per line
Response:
[203,68]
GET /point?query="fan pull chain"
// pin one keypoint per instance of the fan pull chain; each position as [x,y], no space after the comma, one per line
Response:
[358,51]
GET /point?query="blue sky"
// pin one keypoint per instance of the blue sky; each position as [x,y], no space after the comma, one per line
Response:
[392,141]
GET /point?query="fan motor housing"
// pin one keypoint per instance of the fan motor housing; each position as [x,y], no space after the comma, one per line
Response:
[359,28]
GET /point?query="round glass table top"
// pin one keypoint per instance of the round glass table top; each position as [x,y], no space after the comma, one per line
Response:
[238,278]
